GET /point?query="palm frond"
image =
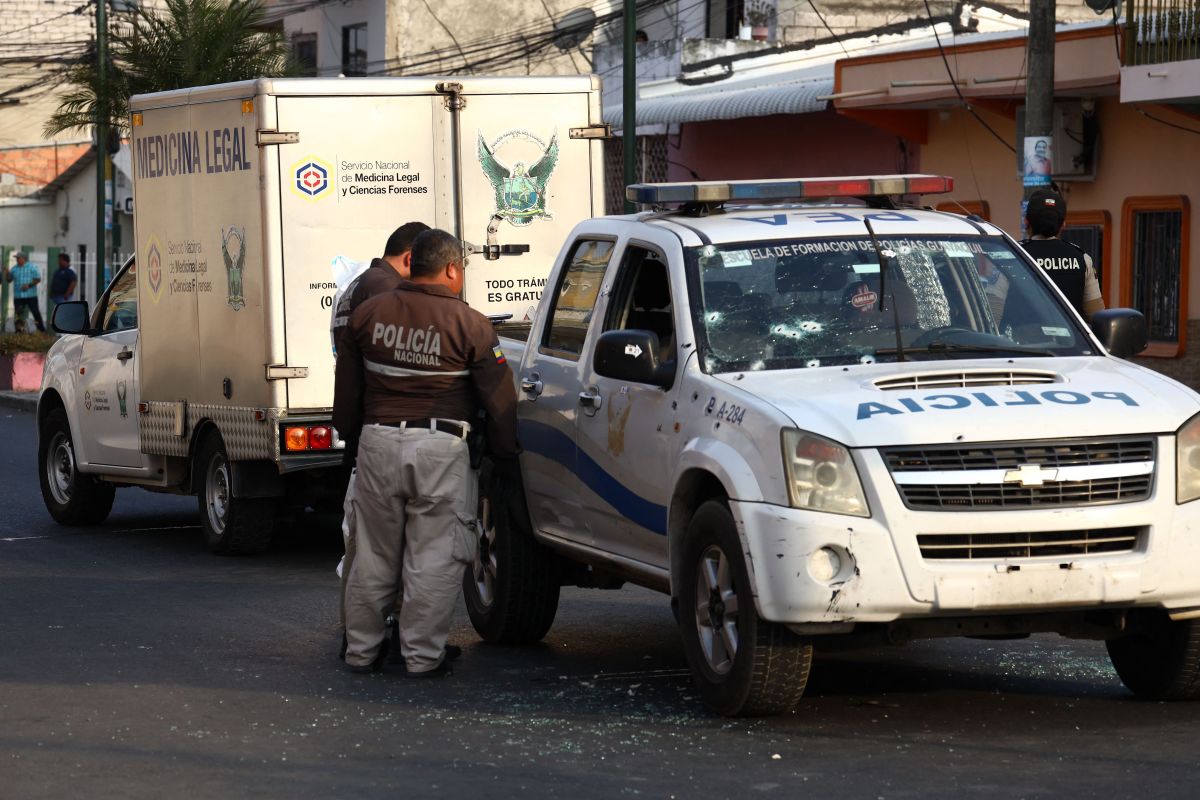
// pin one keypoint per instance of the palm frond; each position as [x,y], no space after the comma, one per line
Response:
[186,43]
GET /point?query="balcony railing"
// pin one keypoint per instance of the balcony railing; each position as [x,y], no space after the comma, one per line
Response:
[1161,31]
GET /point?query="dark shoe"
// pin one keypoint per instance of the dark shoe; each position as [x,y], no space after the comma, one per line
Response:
[374,666]
[441,670]
[453,652]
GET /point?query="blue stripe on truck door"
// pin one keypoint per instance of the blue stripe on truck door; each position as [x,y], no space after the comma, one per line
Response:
[551,443]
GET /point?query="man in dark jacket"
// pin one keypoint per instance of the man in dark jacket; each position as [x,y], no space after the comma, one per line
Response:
[384,275]
[416,365]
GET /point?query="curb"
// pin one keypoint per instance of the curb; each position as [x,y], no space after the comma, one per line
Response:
[24,401]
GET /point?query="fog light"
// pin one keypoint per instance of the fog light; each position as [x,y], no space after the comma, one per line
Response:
[824,565]
[296,438]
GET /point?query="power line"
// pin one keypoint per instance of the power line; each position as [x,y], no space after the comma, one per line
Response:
[522,41]
[77,10]
[1165,122]
[821,17]
[954,82]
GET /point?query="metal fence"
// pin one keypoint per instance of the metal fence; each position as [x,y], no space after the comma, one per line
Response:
[91,283]
[1161,31]
[651,168]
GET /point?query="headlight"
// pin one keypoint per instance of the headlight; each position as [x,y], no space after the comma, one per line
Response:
[1187,461]
[822,477]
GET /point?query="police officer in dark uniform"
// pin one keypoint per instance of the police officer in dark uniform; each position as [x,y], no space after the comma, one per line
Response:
[383,275]
[415,366]
[1067,265]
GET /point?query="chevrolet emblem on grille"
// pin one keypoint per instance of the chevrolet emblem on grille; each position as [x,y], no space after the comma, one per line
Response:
[1030,475]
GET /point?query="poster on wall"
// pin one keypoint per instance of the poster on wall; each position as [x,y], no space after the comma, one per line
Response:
[1039,161]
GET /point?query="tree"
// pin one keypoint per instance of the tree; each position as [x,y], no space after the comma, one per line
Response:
[186,43]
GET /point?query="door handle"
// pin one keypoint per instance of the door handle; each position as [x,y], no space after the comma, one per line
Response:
[125,354]
[590,400]
[532,385]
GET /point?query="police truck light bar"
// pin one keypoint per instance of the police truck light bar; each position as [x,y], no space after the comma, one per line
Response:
[787,189]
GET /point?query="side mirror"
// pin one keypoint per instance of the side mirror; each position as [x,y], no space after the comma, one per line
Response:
[71,317]
[1122,331]
[632,356]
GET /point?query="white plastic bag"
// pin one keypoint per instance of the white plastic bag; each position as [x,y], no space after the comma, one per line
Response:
[345,272]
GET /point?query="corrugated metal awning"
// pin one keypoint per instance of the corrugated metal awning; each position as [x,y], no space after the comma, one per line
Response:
[711,102]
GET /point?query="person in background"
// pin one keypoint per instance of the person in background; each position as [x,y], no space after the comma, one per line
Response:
[62,283]
[25,277]
[1067,265]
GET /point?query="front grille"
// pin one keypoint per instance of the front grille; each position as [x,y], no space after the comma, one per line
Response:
[1001,546]
[987,496]
[990,477]
[965,380]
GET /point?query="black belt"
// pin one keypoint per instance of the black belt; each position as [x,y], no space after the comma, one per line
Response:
[451,427]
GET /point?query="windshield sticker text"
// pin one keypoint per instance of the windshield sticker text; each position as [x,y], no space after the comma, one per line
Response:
[949,402]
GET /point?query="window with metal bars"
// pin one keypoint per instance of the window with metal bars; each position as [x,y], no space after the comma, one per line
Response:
[1088,231]
[304,52]
[1154,261]
[651,167]
[354,49]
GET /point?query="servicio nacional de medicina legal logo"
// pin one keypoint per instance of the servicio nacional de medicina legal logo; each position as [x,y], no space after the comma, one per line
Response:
[313,178]
[520,189]
[154,269]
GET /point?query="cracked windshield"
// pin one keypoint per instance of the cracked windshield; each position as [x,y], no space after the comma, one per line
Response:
[826,302]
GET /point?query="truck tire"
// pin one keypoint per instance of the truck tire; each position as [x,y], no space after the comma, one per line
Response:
[1160,659]
[232,525]
[71,497]
[511,589]
[743,665]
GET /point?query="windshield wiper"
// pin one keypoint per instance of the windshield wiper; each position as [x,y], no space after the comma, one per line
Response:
[952,347]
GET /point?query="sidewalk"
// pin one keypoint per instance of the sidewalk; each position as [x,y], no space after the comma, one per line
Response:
[25,401]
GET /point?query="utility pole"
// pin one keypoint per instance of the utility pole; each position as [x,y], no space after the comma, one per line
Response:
[629,106]
[101,139]
[1038,145]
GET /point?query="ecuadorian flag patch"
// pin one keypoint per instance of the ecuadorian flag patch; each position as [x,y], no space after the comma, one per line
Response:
[500,359]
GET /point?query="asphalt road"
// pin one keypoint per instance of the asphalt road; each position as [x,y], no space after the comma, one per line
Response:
[135,664]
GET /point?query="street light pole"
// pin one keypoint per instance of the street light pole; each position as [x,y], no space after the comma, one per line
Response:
[101,137]
[629,104]
[1037,148]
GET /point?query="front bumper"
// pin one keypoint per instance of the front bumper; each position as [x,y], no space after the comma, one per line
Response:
[884,577]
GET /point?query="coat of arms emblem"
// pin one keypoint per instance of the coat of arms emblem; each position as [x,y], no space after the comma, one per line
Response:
[520,189]
[234,263]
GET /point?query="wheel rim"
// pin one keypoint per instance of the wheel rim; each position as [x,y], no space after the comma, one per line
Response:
[60,468]
[484,568]
[216,493]
[716,610]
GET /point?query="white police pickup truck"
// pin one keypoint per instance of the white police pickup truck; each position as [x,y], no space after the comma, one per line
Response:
[845,417]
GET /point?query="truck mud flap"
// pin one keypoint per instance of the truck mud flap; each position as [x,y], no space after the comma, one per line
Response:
[256,479]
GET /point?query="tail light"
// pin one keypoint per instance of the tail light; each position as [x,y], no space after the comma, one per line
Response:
[304,438]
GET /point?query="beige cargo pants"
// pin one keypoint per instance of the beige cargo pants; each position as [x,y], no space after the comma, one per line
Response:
[414,504]
[343,567]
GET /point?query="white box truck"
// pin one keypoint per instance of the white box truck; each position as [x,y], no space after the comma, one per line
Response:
[206,367]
